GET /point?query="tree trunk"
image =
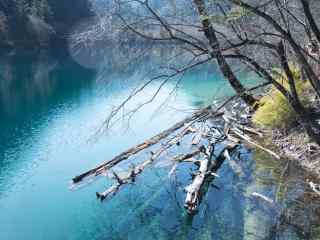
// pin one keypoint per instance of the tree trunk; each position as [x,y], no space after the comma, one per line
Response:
[313,78]
[313,25]
[216,53]
[307,121]
[310,125]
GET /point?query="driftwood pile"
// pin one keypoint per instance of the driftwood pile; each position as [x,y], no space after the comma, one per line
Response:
[226,127]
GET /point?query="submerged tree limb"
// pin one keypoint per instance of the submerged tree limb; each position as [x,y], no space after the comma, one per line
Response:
[207,169]
[140,168]
[130,177]
[201,114]
[207,165]
[138,148]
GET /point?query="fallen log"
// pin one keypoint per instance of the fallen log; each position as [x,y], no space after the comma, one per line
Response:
[263,197]
[130,177]
[250,141]
[200,115]
[116,187]
[148,143]
[233,164]
[207,168]
[185,157]
[196,139]
[249,130]
[138,148]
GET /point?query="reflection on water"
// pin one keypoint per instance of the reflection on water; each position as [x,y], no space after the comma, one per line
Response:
[49,112]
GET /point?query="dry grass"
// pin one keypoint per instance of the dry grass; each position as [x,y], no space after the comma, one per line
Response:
[274,110]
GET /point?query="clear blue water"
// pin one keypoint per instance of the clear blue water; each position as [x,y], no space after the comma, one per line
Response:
[50,111]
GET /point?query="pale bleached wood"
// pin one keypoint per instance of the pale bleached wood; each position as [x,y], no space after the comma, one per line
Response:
[148,143]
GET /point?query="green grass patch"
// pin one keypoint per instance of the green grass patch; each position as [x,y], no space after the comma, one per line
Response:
[274,110]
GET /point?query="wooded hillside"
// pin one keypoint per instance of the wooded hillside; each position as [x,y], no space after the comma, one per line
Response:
[39,23]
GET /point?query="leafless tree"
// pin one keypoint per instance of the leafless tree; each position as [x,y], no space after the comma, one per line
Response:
[264,35]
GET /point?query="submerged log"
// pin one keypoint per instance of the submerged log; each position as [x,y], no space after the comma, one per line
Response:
[233,164]
[196,139]
[207,169]
[263,197]
[200,115]
[228,135]
[148,143]
[140,168]
[116,187]
[186,157]
[130,177]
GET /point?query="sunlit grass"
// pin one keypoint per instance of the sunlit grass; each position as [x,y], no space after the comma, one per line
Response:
[275,111]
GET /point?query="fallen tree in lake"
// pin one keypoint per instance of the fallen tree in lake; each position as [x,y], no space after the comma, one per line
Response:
[207,169]
[142,146]
[224,131]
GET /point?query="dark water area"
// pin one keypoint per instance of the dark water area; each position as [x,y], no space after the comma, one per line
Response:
[50,110]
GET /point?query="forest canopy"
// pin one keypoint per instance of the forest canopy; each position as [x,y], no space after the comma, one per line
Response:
[39,23]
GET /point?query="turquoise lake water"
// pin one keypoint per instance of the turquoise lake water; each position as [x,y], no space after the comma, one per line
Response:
[50,111]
